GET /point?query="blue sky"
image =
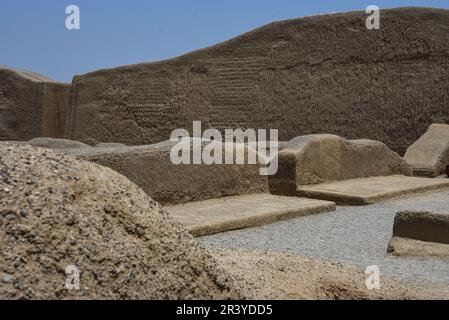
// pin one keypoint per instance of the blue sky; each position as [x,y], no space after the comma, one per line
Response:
[119,32]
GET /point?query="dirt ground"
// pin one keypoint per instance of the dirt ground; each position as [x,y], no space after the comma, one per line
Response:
[288,277]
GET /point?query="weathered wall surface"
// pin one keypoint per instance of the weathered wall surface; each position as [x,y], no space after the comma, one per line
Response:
[311,75]
[31,105]
[424,226]
[151,168]
[429,155]
[21,100]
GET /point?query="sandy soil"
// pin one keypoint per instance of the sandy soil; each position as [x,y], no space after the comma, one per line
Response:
[284,276]
[56,211]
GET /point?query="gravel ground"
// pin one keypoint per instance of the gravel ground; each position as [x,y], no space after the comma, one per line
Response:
[355,236]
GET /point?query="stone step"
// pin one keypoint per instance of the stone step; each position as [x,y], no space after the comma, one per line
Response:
[207,217]
[363,191]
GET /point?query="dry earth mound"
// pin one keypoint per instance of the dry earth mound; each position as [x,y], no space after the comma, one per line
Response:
[56,211]
[284,276]
[31,105]
[429,155]
[325,73]
[322,158]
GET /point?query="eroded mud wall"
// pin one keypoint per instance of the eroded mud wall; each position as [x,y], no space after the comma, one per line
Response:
[323,74]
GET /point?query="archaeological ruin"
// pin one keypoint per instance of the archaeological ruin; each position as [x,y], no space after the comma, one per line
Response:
[31,105]
[360,147]
[323,74]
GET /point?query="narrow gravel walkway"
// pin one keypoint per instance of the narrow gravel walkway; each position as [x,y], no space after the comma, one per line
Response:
[356,236]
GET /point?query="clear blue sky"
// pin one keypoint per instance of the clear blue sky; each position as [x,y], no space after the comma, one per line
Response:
[119,32]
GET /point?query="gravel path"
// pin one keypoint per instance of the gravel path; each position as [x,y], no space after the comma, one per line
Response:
[356,236]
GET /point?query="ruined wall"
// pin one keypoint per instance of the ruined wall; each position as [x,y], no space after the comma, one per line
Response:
[21,99]
[312,75]
[151,168]
[57,99]
[31,105]
[429,155]
[321,158]
[424,226]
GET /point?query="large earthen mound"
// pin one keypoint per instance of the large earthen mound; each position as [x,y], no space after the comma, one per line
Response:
[56,211]
[325,73]
[322,158]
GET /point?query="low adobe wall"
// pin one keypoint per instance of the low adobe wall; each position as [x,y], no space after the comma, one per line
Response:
[151,168]
[323,158]
[423,226]
[57,99]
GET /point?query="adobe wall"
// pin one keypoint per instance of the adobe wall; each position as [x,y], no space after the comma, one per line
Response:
[320,158]
[57,99]
[151,168]
[31,105]
[303,76]
[429,155]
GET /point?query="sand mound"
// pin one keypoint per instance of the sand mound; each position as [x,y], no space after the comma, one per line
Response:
[56,211]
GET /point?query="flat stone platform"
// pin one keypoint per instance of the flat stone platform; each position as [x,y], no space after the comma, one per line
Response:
[237,212]
[405,247]
[363,191]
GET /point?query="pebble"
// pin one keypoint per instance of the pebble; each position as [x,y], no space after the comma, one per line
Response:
[8,278]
